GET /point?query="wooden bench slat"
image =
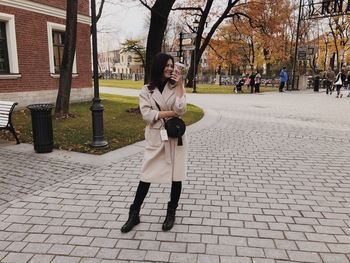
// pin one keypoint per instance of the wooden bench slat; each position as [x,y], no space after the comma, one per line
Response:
[6,108]
[3,102]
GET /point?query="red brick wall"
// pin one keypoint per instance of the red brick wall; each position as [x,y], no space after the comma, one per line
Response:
[33,54]
[83,5]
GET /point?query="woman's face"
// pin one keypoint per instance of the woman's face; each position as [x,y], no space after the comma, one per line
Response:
[169,67]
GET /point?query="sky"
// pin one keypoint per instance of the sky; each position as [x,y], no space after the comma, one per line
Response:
[121,21]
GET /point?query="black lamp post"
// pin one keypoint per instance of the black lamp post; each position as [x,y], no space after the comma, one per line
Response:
[194,82]
[296,49]
[96,108]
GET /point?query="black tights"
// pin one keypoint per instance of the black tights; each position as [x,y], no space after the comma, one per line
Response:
[143,188]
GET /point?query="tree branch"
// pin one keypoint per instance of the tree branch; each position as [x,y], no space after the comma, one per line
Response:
[100,10]
[145,5]
[189,8]
[239,14]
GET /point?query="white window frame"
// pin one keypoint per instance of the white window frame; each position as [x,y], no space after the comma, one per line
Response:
[11,46]
[52,27]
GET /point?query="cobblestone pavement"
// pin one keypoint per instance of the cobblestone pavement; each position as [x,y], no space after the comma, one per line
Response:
[268,182]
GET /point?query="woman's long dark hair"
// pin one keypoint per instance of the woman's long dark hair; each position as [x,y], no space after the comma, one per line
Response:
[157,70]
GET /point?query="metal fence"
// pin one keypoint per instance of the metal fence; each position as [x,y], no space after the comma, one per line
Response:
[205,79]
[122,76]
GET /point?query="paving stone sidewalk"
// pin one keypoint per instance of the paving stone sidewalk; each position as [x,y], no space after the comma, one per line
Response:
[265,184]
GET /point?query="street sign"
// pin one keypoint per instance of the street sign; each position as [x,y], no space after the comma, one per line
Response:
[192,47]
[189,35]
[312,50]
[187,41]
[173,53]
[302,53]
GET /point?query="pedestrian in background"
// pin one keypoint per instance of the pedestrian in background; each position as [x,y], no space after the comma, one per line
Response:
[252,81]
[340,80]
[330,76]
[247,80]
[283,78]
[348,83]
[164,160]
[257,81]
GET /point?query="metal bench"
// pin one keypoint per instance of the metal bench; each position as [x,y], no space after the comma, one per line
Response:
[6,109]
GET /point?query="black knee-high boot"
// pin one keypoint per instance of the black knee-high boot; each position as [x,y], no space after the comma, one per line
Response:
[170,218]
[172,205]
[134,212]
[133,220]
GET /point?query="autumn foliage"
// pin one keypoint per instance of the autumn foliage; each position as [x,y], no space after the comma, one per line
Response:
[258,35]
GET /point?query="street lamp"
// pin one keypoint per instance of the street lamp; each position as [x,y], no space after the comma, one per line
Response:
[296,48]
[96,108]
[194,81]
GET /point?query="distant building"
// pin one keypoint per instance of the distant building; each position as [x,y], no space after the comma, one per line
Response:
[129,63]
[31,48]
[107,60]
[120,62]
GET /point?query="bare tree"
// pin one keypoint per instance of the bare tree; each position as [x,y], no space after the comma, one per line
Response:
[70,39]
[201,41]
[159,18]
[65,82]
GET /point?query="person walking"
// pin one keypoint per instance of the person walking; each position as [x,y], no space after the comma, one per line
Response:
[283,78]
[348,83]
[330,76]
[164,160]
[252,81]
[339,82]
[246,80]
[257,81]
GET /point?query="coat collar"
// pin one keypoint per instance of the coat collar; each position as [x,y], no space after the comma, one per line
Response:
[162,98]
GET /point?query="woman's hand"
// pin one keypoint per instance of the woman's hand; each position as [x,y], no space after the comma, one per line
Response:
[179,85]
[177,77]
[167,114]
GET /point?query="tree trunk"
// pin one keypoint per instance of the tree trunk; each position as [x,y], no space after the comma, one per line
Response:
[65,82]
[159,18]
[202,45]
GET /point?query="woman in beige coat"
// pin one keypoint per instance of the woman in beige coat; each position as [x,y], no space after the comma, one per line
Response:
[164,160]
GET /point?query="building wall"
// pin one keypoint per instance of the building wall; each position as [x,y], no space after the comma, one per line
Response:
[83,5]
[33,54]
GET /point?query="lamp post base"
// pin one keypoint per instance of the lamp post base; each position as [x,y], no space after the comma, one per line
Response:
[99,144]
[98,140]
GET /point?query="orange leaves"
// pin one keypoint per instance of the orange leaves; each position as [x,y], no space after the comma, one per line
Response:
[257,25]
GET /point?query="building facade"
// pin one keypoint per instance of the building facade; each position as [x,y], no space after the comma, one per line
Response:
[31,49]
[120,62]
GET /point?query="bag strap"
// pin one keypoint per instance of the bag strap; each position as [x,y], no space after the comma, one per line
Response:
[157,105]
[162,119]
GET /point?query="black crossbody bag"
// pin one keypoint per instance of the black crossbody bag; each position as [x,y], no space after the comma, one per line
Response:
[175,127]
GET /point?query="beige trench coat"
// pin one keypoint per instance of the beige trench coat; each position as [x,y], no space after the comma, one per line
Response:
[164,161]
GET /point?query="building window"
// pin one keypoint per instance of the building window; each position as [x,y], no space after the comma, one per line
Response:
[8,47]
[56,45]
[4,59]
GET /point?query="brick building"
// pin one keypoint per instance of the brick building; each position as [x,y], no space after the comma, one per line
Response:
[31,47]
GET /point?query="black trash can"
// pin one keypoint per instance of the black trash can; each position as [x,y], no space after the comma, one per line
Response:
[42,127]
[317,83]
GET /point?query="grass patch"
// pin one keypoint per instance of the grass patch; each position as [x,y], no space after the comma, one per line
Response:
[121,128]
[201,88]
